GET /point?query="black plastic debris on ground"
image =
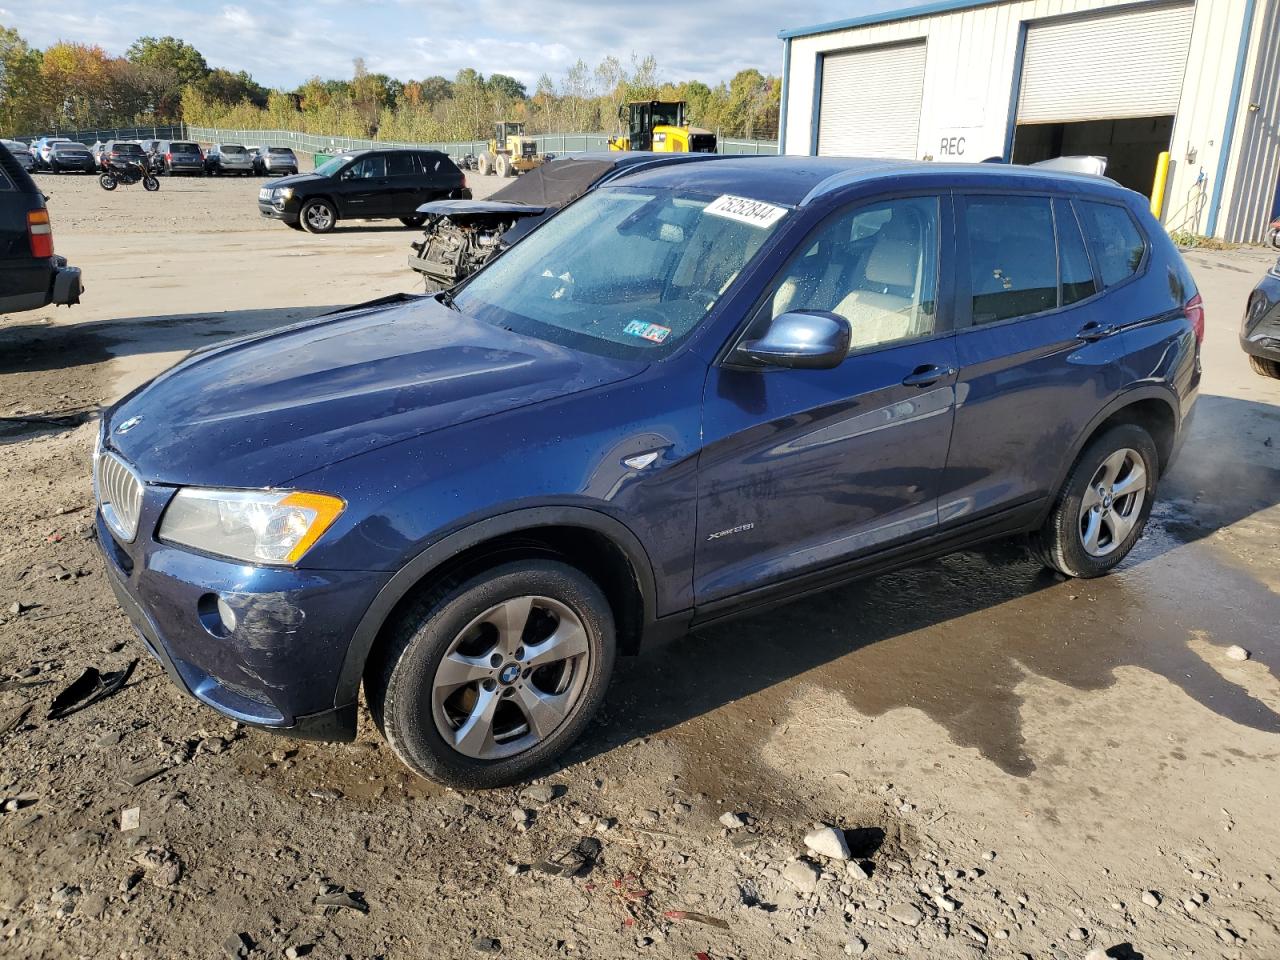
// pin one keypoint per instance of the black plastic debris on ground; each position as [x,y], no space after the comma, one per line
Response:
[574,861]
[87,689]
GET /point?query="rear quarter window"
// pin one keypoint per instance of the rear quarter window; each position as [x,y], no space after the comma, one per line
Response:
[1118,245]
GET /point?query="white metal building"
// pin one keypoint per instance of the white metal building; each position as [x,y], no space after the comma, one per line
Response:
[1026,80]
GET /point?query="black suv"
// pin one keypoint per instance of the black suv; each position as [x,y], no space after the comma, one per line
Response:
[364,185]
[30,275]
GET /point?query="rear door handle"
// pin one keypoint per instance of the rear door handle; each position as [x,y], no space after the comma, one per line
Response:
[926,375]
[1092,331]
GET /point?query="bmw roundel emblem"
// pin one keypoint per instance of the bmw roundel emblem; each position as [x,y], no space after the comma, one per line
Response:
[128,425]
[510,673]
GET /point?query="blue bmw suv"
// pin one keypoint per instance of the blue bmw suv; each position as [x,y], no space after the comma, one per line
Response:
[695,391]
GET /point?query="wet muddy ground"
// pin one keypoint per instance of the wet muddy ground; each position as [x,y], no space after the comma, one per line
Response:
[1035,766]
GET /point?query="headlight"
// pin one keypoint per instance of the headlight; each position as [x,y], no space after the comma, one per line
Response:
[284,193]
[256,526]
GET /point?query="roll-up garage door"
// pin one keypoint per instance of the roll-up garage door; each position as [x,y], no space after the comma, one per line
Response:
[871,102]
[1125,64]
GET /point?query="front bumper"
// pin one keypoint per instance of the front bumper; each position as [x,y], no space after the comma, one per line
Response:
[284,214]
[278,667]
[1260,332]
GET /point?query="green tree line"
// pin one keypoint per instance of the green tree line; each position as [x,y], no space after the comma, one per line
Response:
[164,80]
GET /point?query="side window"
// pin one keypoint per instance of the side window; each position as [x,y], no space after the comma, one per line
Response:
[430,163]
[367,168]
[401,165]
[1013,261]
[1073,259]
[1113,237]
[876,266]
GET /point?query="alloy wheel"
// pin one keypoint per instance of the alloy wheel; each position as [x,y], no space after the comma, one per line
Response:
[318,217]
[510,677]
[1112,503]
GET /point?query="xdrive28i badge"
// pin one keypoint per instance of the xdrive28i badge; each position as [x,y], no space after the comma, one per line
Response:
[128,425]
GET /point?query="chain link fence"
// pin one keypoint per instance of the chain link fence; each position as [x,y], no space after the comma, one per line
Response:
[89,135]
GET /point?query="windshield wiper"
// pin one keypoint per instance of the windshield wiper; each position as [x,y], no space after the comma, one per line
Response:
[446,298]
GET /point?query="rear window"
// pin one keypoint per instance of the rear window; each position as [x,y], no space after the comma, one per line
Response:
[1117,244]
[182,148]
[1013,263]
[231,148]
[127,148]
[280,151]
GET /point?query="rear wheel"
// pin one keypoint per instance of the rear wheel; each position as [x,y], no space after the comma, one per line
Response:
[484,164]
[107,182]
[318,216]
[1103,506]
[1268,368]
[483,681]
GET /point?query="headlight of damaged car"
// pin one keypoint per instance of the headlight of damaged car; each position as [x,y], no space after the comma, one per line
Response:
[284,193]
[256,526]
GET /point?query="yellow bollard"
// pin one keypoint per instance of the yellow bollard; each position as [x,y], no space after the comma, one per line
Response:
[1157,188]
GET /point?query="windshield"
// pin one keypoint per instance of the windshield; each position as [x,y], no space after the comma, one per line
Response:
[623,272]
[333,165]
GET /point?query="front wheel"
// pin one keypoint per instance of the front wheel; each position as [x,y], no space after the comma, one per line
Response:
[1103,506]
[149,182]
[1266,367]
[483,681]
[318,216]
[107,182]
[416,220]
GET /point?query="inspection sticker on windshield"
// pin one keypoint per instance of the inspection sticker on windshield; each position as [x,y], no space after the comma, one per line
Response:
[650,331]
[743,210]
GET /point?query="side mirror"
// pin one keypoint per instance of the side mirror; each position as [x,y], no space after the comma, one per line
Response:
[802,339]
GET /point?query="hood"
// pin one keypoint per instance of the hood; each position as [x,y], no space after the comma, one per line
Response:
[462,208]
[265,409]
[297,180]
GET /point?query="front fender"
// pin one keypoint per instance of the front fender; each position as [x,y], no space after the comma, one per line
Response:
[440,552]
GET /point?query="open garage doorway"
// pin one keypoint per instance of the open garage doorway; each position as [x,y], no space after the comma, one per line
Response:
[1131,145]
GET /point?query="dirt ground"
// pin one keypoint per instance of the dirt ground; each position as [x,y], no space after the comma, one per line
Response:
[1023,766]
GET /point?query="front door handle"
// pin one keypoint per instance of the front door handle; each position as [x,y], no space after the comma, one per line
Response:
[926,376]
[1093,331]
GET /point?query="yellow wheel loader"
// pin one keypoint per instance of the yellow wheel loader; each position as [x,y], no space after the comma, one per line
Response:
[660,126]
[510,151]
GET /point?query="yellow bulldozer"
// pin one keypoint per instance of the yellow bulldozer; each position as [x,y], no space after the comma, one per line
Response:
[660,126]
[510,151]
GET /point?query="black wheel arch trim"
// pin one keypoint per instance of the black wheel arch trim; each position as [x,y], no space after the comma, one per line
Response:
[440,552]
[1126,399]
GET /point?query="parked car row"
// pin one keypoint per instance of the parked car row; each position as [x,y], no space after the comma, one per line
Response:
[172,157]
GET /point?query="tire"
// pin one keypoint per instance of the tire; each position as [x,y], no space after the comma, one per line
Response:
[107,182]
[503,167]
[1265,367]
[484,164]
[53,168]
[415,716]
[1061,542]
[318,216]
[417,220]
[149,182]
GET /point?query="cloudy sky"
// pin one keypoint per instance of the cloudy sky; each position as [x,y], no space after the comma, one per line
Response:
[282,42]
